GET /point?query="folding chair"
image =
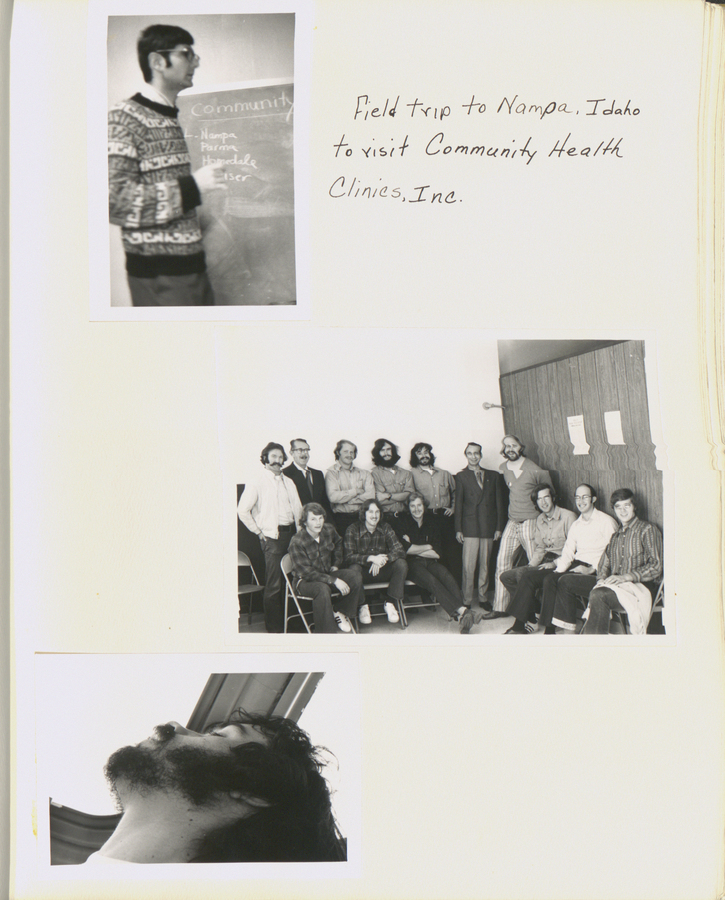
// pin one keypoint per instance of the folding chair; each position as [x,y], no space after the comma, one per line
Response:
[299,599]
[383,586]
[247,590]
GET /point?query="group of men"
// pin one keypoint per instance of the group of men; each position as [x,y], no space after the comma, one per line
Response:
[337,543]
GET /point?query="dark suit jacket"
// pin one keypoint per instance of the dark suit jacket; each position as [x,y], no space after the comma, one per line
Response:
[480,513]
[318,495]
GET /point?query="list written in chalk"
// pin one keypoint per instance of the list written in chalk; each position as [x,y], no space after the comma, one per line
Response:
[381,130]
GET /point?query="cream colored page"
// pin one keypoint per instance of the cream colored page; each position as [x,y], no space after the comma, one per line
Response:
[489,770]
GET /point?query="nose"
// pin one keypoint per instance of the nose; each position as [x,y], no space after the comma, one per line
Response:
[179,729]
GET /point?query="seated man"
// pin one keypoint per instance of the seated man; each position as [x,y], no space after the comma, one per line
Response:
[249,789]
[372,545]
[628,571]
[420,533]
[572,577]
[316,552]
[550,531]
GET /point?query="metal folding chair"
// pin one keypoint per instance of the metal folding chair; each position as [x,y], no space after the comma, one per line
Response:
[247,590]
[297,598]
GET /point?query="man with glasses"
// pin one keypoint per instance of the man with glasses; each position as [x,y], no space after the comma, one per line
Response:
[153,194]
[576,568]
[310,483]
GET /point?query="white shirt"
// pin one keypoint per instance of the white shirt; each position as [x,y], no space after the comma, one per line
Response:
[267,502]
[150,93]
[587,540]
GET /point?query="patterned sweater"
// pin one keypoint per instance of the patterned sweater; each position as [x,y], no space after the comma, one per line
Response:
[153,196]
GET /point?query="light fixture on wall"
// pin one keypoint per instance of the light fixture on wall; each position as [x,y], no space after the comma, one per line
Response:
[488,406]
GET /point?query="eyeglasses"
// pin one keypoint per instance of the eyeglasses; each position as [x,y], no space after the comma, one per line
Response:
[582,496]
[189,54]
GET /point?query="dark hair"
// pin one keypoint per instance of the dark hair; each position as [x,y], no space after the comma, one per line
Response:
[540,487]
[340,444]
[272,446]
[316,509]
[416,495]
[378,446]
[371,501]
[472,444]
[156,39]
[297,441]
[285,771]
[512,437]
[414,461]
[621,494]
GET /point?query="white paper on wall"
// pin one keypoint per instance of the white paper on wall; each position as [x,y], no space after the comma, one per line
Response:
[577,435]
[613,426]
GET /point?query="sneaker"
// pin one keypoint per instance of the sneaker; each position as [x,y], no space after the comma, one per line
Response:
[364,615]
[392,613]
[343,623]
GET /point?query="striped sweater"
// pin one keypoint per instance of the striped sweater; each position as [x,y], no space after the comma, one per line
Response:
[153,196]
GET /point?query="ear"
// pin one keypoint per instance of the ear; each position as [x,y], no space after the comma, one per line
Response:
[249,799]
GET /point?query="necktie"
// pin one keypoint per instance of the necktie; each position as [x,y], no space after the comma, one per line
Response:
[309,481]
[479,478]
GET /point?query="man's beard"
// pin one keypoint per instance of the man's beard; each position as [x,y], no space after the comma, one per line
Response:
[387,463]
[191,771]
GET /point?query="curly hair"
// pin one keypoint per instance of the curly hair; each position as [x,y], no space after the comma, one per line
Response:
[264,457]
[421,445]
[378,446]
[285,771]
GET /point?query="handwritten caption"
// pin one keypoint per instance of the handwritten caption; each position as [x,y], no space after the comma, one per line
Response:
[440,142]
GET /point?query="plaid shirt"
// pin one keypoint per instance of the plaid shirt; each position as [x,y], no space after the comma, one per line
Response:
[359,544]
[311,559]
[635,550]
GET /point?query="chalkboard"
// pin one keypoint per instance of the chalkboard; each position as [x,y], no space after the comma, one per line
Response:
[249,227]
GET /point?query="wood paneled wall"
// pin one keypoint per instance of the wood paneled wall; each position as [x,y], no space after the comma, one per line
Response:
[539,400]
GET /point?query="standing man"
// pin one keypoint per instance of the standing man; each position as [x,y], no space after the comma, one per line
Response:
[438,488]
[575,572]
[153,193]
[310,483]
[521,476]
[271,509]
[347,486]
[550,534]
[393,485]
[480,515]
[316,552]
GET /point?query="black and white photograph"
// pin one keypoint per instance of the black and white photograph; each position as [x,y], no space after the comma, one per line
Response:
[166,761]
[202,164]
[366,398]
[545,517]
